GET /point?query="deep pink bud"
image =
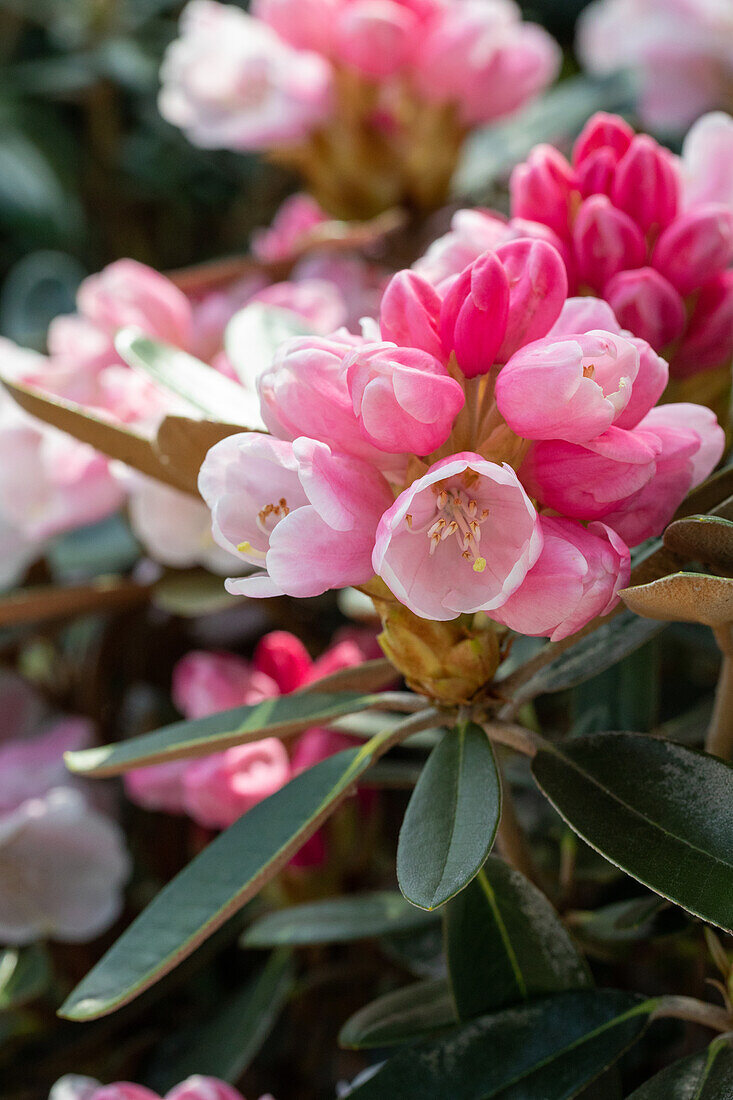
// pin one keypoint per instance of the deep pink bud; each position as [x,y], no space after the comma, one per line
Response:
[474,315]
[606,241]
[596,173]
[404,398]
[646,184]
[602,131]
[284,658]
[708,341]
[647,305]
[409,314]
[543,189]
[538,287]
[696,246]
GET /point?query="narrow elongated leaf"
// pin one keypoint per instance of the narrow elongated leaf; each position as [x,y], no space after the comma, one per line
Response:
[451,819]
[505,944]
[400,1016]
[661,812]
[548,1049]
[282,716]
[202,387]
[182,445]
[226,874]
[704,1076]
[621,921]
[338,920]
[254,334]
[25,973]
[228,1038]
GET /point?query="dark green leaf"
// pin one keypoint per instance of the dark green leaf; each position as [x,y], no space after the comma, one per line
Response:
[419,952]
[206,389]
[225,875]
[225,1042]
[506,944]
[704,1076]
[661,812]
[621,921]
[707,539]
[451,819]
[338,920]
[282,716]
[25,973]
[546,1050]
[400,1016]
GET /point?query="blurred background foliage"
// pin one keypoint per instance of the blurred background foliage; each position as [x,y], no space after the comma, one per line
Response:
[89,172]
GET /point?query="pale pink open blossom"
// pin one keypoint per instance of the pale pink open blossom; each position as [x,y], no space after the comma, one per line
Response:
[231,82]
[577,576]
[197,1087]
[404,398]
[295,219]
[318,301]
[649,232]
[220,788]
[130,293]
[460,539]
[376,37]
[680,51]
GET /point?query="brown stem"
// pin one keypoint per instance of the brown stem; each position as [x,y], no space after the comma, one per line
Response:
[514,737]
[719,739]
[696,1012]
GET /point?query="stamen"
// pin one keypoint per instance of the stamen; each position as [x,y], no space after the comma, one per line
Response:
[248,548]
[459,515]
[408,520]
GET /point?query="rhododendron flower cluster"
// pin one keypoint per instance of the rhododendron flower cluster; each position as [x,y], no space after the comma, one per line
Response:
[496,440]
[63,860]
[680,52]
[650,233]
[217,789]
[369,99]
[76,1087]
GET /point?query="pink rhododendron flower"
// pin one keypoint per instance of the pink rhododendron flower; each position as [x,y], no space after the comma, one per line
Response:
[576,577]
[707,161]
[218,789]
[437,551]
[295,219]
[681,52]
[230,82]
[75,1087]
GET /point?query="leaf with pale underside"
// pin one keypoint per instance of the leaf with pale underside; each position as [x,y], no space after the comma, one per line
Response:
[683,597]
[182,445]
[338,920]
[255,333]
[222,878]
[400,1016]
[199,385]
[707,539]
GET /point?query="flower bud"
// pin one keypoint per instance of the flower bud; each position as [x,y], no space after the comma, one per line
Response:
[647,305]
[203,1088]
[409,314]
[596,173]
[543,189]
[283,658]
[708,341]
[602,132]
[538,286]
[474,315]
[646,185]
[697,245]
[606,241]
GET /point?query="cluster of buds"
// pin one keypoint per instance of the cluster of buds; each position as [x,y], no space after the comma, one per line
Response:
[494,447]
[370,100]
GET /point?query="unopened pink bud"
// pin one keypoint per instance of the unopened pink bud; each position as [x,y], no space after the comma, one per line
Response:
[602,131]
[203,1088]
[596,173]
[708,341]
[375,36]
[696,246]
[606,241]
[646,184]
[404,398]
[646,304]
[538,287]
[409,314]
[474,315]
[543,189]
[283,658]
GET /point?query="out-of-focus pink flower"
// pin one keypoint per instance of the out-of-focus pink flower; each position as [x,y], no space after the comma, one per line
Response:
[404,398]
[204,683]
[316,528]
[605,241]
[375,37]
[32,765]
[576,577]
[130,293]
[203,1088]
[124,1090]
[474,314]
[707,161]
[284,659]
[697,246]
[459,539]
[543,189]
[230,82]
[218,789]
[646,184]
[648,305]
[74,1087]
[295,218]
[305,24]
[317,301]
[572,389]
[679,50]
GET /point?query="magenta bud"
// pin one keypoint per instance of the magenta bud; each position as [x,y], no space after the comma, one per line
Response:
[596,173]
[538,287]
[543,189]
[606,241]
[646,304]
[602,131]
[708,341]
[697,245]
[474,315]
[646,185]
[409,314]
